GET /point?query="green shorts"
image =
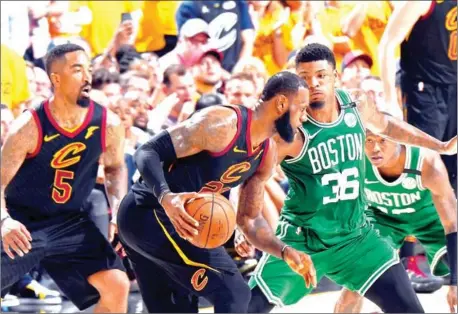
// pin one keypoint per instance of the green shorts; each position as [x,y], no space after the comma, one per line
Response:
[355,264]
[425,225]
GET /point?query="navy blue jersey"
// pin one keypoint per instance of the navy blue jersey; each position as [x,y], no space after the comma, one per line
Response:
[210,172]
[429,52]
[59,175]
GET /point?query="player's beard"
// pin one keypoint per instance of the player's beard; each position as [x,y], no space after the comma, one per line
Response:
[284,128]
[83,101]
[317,104]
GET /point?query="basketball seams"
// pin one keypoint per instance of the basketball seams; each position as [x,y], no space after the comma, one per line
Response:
[227,223]
[210,222]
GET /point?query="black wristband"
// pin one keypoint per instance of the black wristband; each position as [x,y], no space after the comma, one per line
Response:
[451,252]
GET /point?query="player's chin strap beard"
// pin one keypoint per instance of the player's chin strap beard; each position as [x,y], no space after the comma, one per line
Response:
[83,102]
[317,104]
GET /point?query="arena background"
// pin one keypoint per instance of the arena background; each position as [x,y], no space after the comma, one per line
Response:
[155,62]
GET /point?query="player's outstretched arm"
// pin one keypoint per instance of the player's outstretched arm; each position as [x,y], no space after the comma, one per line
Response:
[396,129]
[114,167]
[22,139]
[400,23]
[258,231]
[212,130]
[435,178]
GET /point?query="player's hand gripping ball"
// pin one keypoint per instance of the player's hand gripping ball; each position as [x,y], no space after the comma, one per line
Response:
[216,218]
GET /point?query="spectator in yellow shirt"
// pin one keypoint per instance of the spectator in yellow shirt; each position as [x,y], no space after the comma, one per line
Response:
[106,18]
[275,25]
[157,30]
[15,86]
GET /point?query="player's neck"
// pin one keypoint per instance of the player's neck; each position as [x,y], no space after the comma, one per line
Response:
[67,114]
[395,167]
[258,131]
[328,113]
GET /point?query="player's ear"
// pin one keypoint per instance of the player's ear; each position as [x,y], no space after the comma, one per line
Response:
[55,79]
[281,104]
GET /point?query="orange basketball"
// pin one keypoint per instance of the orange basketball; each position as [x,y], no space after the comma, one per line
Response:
[216,218]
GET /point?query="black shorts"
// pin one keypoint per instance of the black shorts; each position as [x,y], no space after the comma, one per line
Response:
[167,266]
[71,248]
[433,109]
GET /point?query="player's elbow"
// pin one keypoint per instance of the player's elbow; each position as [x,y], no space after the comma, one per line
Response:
[244,221]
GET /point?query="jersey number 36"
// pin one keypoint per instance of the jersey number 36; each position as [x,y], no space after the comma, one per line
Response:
[345,185]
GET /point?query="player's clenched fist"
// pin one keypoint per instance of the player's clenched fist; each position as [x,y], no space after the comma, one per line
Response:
[302,264]
[15,236]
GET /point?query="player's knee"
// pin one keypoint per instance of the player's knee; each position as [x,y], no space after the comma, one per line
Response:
[111,284]
[349,302]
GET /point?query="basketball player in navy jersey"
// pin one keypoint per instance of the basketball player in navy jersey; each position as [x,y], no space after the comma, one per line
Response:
[427,34]
[49,167]
[216,149]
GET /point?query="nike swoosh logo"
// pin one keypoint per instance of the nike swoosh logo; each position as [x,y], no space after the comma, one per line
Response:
[48,138]
[237,150]
[370,182]
[315,134]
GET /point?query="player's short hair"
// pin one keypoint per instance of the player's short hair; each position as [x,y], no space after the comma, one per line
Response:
[315,52]
[284,82]
[59,52]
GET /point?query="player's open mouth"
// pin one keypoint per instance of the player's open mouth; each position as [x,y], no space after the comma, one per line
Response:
[85,91]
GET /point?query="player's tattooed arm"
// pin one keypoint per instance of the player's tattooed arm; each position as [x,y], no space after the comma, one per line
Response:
[251,202]
[256,228]
[435,178]
[113,161]
[396,129]
[22,139]
[211,129]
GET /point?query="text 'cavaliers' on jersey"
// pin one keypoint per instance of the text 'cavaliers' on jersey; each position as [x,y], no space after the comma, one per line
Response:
[429,51]
[209,172]
[60,174]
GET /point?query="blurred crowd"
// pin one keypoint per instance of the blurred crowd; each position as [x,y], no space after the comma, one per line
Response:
[157,62]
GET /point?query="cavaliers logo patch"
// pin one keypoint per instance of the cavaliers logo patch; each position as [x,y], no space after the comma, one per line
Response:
[199,280]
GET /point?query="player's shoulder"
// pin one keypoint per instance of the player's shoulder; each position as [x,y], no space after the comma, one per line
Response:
[430,160]
[217,116]
[25,129]
[28,121]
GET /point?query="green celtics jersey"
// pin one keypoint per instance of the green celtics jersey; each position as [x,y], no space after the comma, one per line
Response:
[402,197]
[326,193]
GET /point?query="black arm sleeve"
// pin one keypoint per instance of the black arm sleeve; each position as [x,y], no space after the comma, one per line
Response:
[149,158]
[451,252]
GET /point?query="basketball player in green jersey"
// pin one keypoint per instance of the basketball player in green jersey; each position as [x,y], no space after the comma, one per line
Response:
[409,193]
[323,214]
